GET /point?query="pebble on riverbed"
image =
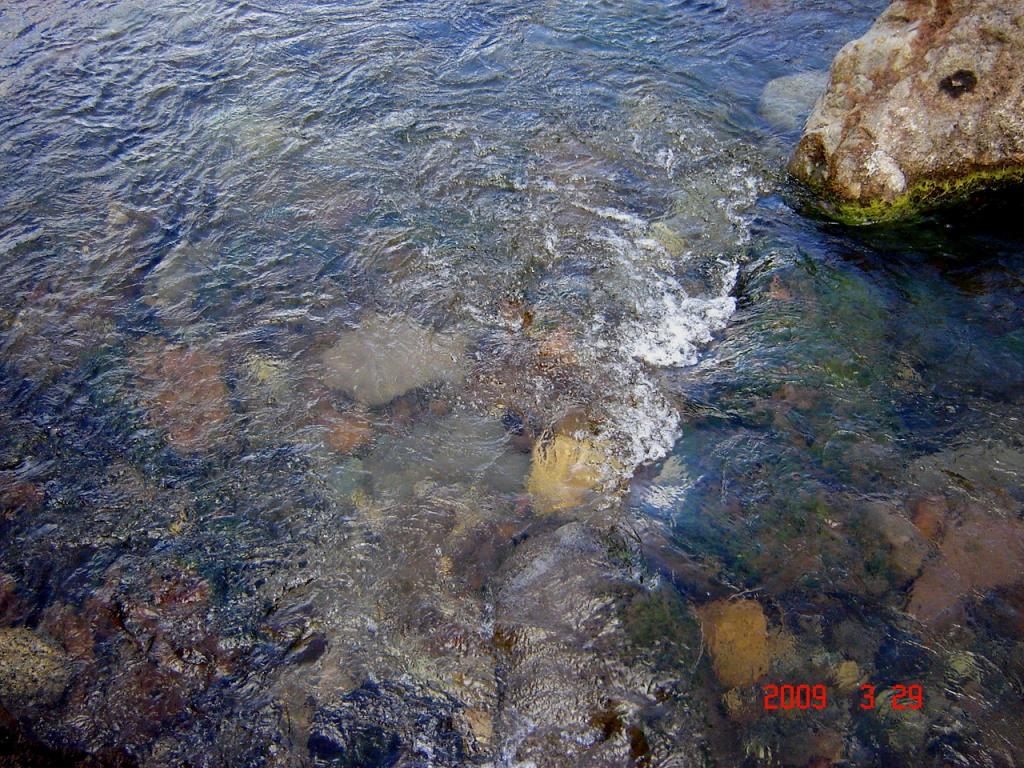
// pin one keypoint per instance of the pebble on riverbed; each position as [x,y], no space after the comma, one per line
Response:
[740,642]
[904,547]
[18,495]
[981,554]
[736,634]
[173,283]
[33,671]
[929,515]
[345,432]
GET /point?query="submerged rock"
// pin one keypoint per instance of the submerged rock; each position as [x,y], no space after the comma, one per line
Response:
[981,554]
[847,675]
[567,471]
[929,516]
[924,109]
[388,356]
[575,691]
[186,393]
[346,432]
[32,670]
[388,724]
[904,546]
[461,448]
[787,101]
[172,285]
[18,495]
[736,632]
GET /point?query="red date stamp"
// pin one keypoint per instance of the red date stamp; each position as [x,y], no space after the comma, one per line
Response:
[788,697]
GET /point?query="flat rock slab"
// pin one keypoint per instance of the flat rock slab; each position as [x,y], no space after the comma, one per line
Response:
[388,356]
[925,109]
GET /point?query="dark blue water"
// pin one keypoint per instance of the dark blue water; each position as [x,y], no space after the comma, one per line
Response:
[447,383]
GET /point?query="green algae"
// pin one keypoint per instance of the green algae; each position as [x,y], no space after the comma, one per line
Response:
[922,196]
[660,624]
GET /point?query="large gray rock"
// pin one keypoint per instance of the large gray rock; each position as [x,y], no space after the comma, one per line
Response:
[923,110]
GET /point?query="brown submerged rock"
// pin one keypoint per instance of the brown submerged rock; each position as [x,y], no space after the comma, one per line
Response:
[18,495]
[924,109]
[979,555]
[186,393]
[567,471]
[345,432]
[929,515]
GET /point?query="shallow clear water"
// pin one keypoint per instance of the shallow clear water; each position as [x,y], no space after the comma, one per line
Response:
[304,305]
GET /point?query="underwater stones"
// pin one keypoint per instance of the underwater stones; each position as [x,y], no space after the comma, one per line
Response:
[346,432]
[1003,611]
[567,471]
[813,748]
[986,468]
[929,515]
[268,372]
[906,547]
[575,691]
[847,675]
[674,243]
[799,397]
[388,724]
[57,325]
[662,555]
[787,101]
[171,623]
[659,624]
[388,356]
[33,671]
[461,448]
[262,369]
[778,290]
[559,346]
[924,109]
[172,284]
[19,495]
[159,652]
[185,392]
[11,607]
[978,555]
[482,725]
[736,632]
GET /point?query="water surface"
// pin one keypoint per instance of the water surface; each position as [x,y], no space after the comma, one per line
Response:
[298,297]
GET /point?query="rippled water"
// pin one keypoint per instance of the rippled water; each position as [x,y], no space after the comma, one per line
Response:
[305,305]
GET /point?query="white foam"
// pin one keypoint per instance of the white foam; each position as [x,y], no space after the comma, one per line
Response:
[678,326]
[667,329]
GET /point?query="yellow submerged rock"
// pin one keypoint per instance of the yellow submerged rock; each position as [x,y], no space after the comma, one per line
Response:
[567,471]
[33,671]
[847,675]
[736,633]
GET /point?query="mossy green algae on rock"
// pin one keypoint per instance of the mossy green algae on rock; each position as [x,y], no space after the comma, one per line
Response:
[925,195]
